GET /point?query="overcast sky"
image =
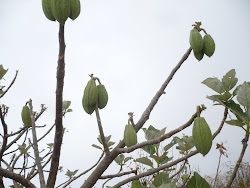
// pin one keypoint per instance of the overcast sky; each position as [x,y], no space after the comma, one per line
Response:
[132,46]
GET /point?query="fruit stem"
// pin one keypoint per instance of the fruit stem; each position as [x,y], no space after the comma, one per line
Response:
[198,111]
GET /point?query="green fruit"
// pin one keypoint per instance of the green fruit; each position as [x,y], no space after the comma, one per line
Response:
[88,109]
[195,40]
[198,55]
[102,96]
[202,136]
[90,96]
[75,10]
[130,137]
[209,45]
[47,9]
[60,10]
[26,116]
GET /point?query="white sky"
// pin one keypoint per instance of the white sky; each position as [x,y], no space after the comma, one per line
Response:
[131,46]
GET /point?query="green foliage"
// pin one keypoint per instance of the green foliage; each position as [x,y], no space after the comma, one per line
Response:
[23,149]
[71,174]
[226,98]
[197,182]
[109,143]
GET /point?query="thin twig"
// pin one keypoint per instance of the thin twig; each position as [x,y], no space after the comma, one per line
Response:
[179,171]
[86,171]
[9,85]
[98,118]
[118,175]
[165,166]
[35,147]
[244,142]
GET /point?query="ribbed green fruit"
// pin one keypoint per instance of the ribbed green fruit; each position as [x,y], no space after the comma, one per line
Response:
[130,136]
[202,136]
[75,9]
[26,116]
[90,96]
[60,10]
[198,55]
[209,45]
[46,4]
[102,96]
[195,40]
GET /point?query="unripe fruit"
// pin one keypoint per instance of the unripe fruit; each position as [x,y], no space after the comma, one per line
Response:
[130,137]
[90,96]
[26,117]
[60,10]
[198,55]
[195,40]
[209,45]
[75,9]
[46,4]
[202,136]
[102,96]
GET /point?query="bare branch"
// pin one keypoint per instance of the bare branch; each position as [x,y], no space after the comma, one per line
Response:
[98,118]
[165,166]
[9,85]
[244,142]
[159,139]
[86,171]
[16,177]
[36,150]
[119,174]
[59,112]
[179,171]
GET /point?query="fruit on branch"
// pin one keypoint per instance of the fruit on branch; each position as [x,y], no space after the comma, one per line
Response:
[209,45]
[75,9]
[130,137]
[26,117]
[202,136]
[61,10]
[102,96]
[90,96]
[46,4]
[195,40]
[198,55]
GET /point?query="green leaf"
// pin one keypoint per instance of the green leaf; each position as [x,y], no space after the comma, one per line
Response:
[236,110]
[171,144]
[71,174]
[225,96]
[136,184]
[127,159]
[149,149]
[160,179]
[119,159]
[197,182]
[161,159]
[215,84]
[70,110]
[110,143]
[66,104]
[2,71]
[96,146]
[152,132]
[235,122]
[243,95]
[168,185]
[144,160]
[229,80]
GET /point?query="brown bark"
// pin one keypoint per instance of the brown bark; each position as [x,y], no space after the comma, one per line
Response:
[59,100]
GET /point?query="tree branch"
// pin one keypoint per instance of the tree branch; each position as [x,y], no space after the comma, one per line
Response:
[118,175]
[59,101]
[244,142]
[36,150]
[159,139]
[98,118]
[9,85]
[92,179]
[153,171]
[73,179]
